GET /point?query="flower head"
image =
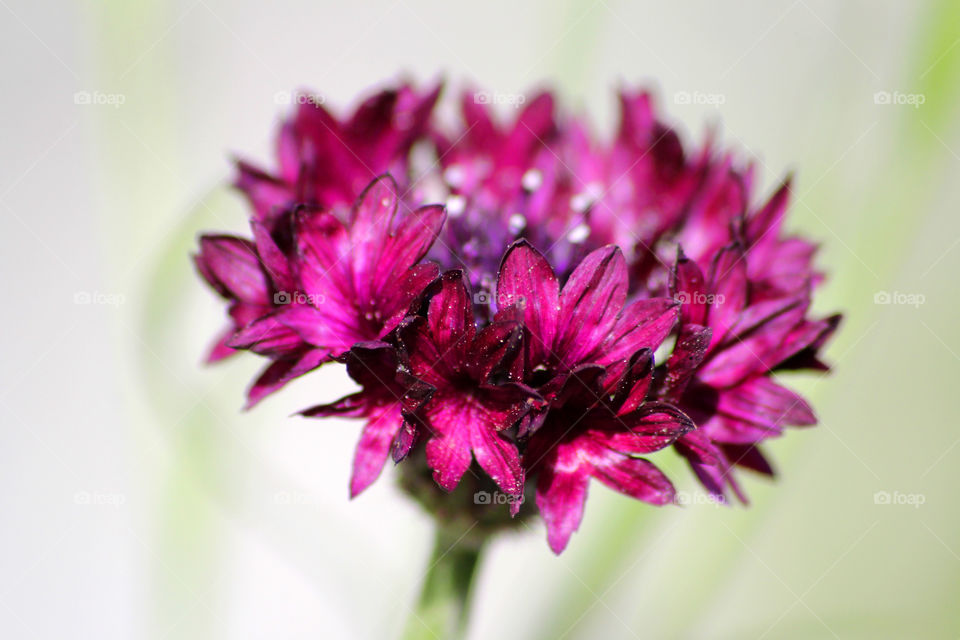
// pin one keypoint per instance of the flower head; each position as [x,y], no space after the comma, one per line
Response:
[500,304]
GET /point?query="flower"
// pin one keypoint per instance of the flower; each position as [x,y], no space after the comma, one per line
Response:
[325,161]
[597,427]
[525,306]
[721,370]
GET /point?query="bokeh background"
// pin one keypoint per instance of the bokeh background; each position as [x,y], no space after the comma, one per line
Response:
[138,501]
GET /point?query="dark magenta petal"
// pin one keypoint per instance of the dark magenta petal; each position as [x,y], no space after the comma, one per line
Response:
[688,352]
[278,374]
[231,266]
[526,280]
[404,296]
[532,129]
[763,402]
[749,457]
[267,195]
[374,446]
[688,285]
[590,303]
[644,324]
[272,259]
[635,477]
[330,326]
[763,227]
[220,349]
[498,456]
[493,350]
[448,453]
[450,317]
[561,494]
[323,250]
[645,430]
[636,118]
[267,336]
[728,291]
[631,388]
[406,437]
[755,353]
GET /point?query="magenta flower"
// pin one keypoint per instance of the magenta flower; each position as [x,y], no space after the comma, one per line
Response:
[469,409]
[326,161]
[567,262]
[720,371]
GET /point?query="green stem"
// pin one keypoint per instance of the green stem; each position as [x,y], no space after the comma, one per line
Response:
[443,606]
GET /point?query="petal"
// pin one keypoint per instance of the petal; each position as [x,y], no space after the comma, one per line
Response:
[498,456]
[493,350]
[687,285]
[688,352]
[272,259]
[330,326]
[762,401]
[635,477]
[728,289]
[405,247]
[370,223]
[267,336]
[374,446]
[561,494]
[323,252]
[527,280]
[267,194]
[404,295]
[450,317]
[763,227]
[748,457]
[231,265]
[590,302]
[281,372]
[644,324]
[448,453]
[648,429]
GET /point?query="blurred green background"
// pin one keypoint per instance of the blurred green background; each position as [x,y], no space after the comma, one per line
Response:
[139,501]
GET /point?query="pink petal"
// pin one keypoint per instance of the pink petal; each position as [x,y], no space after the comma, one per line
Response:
[526,279]
[644,324]
[728,287]
[374,446]
[561,494]
[231,265]
[281,372]
[498,456]
[590,302]
[635,477]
